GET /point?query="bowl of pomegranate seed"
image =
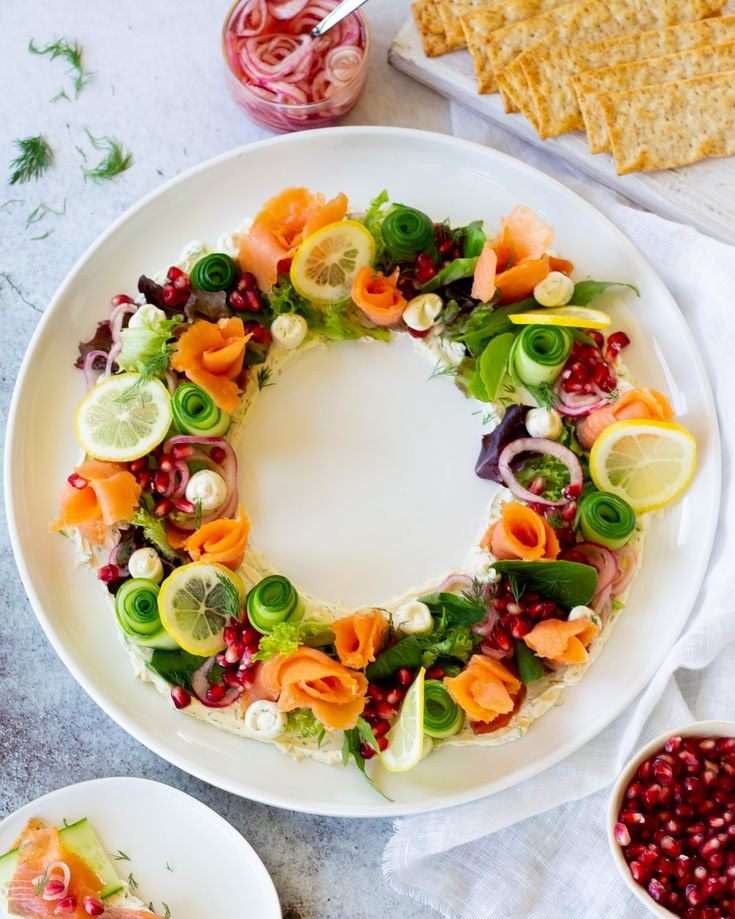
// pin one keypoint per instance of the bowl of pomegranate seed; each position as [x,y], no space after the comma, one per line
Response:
[671,822]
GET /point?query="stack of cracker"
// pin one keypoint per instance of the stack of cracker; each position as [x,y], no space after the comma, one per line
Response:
[650,81]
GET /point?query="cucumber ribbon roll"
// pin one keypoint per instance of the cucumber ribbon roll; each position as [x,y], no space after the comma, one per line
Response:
[406,232]
[442,716]
[216,271]
[272,601]
[195,413]
[540,352]
[606,519]
[136,606]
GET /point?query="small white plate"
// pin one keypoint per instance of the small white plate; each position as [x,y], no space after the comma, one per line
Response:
[181,853]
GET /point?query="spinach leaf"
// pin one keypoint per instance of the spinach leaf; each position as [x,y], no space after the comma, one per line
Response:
[454,271]
[455,610]
[404,653]
[175,667]
[529,666]
[569,583]
[456,642]
[474,239]
[586,291]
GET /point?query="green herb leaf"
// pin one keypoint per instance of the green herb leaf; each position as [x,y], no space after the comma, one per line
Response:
[456,270]
[551,470]
[416,650]
[305,723]
[569,583]
[132,883]
[373,223]
[287,637]
[34,158]
[175,667]
[70,52]
[351,748]
[529,666]
[456,610]
[493,363]
[147,349]
[115,160]
[154,532]
[121,856]
[484,323]
[264,377]
[586,291]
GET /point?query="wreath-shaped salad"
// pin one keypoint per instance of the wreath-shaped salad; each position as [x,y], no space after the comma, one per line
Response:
[581,455]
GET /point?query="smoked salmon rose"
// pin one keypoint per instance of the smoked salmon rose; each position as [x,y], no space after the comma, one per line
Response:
[647,404]
[211,355]
[110,496]
[562,641]
[359,637]
[521,533]
[378,296]
[485,689]
[223,541]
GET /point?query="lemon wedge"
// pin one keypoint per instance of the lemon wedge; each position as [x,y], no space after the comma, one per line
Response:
[574,317]
[406,737]
[193,606]
[649,463]
[123,417]
[326,263]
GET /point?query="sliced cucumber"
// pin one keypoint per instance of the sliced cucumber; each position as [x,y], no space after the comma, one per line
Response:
[82,840]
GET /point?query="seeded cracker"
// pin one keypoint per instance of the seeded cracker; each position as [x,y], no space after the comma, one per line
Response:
[680,66]
[429,25]
[479,25]
[672,124]
[548,67]
[451,13]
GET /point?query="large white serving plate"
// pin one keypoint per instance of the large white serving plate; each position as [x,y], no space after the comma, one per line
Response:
[179,851]
[447,178]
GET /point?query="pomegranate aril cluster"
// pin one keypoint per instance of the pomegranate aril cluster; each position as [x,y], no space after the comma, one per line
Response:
[588,368]
[245,298]
[177,290]
[676,827]
[516,617]
[384,701]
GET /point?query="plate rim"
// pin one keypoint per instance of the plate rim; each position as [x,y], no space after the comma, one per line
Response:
[199,806]
[375,809]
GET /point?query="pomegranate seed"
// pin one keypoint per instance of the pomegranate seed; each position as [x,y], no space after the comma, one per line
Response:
[182,451]
[639,873]
[184,506]
[395,696]
[673,826]
[520,627]
[182,284]
[246,677]
[569,512]
[616,342]
[161,481]
[673,744]
[369,711]
[716,861]
[622,836]
[435,673]
[375,692]
[180,697]
[712,845]
[649,856]
[53,889]
[385,710]
[671,846]
[632,818]
[682,867]
[67,905]
[108,573]
[657,890]
[236,301]
[684,810]
[382,743]
[234,653]
[215,693]
[404,676]
[381,727]
[119,299]
[253,301]
[689,760]
[573,491]
[700,873]
[165,506]
[250,636]
[717,823]
[77,481]
[261,335]
[663,771]
[366,751]
[651,796]
[93,906]
[231,679]
[597,337]
[145,478]
[173,273]
[167,462]
[693,895]
[725,744]
[218,455]
[645,771]
[230,634]
[537,485]
[417,333]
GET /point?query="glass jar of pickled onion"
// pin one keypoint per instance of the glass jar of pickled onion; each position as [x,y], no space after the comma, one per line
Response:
[282,77]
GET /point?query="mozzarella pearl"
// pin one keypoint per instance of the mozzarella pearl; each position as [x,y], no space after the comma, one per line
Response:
[422,312]
[556,289]
[146,563]
[584,612]
[264,720]
[206,488]
[289,330]
[147,316]
[544,422]
[413,618]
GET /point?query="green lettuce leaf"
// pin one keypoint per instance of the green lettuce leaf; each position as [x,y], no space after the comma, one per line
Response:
[586,291]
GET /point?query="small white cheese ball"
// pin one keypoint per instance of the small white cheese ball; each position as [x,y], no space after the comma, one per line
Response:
[289,330]
[191,253]
[556,289]
[229,243]
[146,563]
[413,618]
[584,612]
[544,422]
[147,316]
[422,312]
[206,488]
[265,720]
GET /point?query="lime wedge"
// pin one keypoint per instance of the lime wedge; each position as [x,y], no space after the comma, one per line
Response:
[406,737]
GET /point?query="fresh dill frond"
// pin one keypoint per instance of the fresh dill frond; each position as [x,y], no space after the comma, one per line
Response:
[264,377]
[39,212]
[443,370]
[478,593]
[166,910]
[42,236]
[155,533]
[121,856]
[132,883]
[61,94]
[231,600]
[34,158]
[115,160]
[72,54]
[544,395]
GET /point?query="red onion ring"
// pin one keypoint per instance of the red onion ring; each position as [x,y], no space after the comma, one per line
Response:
[575,404]
[342,63]
[227,469]
[547,448]
[485,628]
[200,685]
[455,583]
[627,567]
[286,9]
[88,367]
[601,558]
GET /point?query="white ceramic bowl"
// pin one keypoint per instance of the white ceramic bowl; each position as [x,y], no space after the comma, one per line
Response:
[696,729]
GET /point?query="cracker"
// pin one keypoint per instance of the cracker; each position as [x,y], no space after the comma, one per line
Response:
[506,43]
[679,66]
[430,27]
[671,124]
[548,68]
[452,11]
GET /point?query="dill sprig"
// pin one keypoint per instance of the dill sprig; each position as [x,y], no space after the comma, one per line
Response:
[132,883]
[115,160]
[72,54]
[121,856]
[34,158]
[444,370]
[231,599]
[264,377]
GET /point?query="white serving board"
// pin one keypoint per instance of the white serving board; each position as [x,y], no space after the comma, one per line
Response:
[702,195]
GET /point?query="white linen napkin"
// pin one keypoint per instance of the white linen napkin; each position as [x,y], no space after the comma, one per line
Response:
[538,850]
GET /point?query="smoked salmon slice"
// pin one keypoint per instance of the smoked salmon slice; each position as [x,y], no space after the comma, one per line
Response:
[359,637]
[110,496]
[483,281]
[485,689]
[647,404]
[525,234]
[285,221]
[562,641]
[522,534]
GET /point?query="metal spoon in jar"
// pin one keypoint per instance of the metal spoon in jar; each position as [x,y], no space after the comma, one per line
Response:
[340,12]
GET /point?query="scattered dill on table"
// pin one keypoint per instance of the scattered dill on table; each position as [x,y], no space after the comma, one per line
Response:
[115,160]
[34,158]
[72,53]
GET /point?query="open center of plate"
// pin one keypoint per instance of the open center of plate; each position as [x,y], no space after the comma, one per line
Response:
[357,472]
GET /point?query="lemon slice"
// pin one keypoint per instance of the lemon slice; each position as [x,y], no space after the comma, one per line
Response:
[406,737]
[649,463]
[327,261]
[193,606]
[574,317]
[123,417]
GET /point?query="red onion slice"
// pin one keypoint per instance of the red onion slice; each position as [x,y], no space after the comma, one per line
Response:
[227,469]
[200,685]
[455,583]
[627,567]
[286,9]
[601,558]
[342,63]
[546,448]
